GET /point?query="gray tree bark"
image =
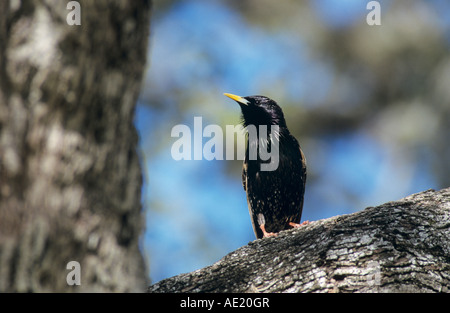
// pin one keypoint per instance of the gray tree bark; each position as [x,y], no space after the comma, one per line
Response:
[400,246]
[70,178]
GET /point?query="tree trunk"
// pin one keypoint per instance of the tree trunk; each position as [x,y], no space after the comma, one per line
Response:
[70,178]
[400,246]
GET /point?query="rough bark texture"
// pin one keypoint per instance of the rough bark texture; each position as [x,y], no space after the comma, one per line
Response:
[70,177]
[400,246]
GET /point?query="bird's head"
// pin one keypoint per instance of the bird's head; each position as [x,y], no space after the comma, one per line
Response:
[259,110]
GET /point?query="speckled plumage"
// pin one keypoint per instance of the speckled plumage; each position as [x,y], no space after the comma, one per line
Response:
[275,198]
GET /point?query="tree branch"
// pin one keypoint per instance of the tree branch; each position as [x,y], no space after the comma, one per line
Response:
[399,246]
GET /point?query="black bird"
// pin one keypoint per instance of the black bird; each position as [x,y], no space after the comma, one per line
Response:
[274,197]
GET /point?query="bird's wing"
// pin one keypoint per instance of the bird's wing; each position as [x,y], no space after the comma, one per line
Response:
[244,173]
[256,230]
[253,217]
[303,178]
[304,167]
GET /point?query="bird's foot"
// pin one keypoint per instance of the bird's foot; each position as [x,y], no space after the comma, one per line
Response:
[295,225]
[265,233]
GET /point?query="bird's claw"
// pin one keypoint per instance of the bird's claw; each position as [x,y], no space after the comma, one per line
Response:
[267,234]
[295,225]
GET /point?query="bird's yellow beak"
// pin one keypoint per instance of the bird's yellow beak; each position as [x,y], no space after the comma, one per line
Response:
[237,98]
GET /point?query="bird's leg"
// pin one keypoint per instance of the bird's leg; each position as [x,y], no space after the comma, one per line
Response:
[265,233]
[295,225]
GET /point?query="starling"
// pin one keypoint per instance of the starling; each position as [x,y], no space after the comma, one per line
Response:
[274,197]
